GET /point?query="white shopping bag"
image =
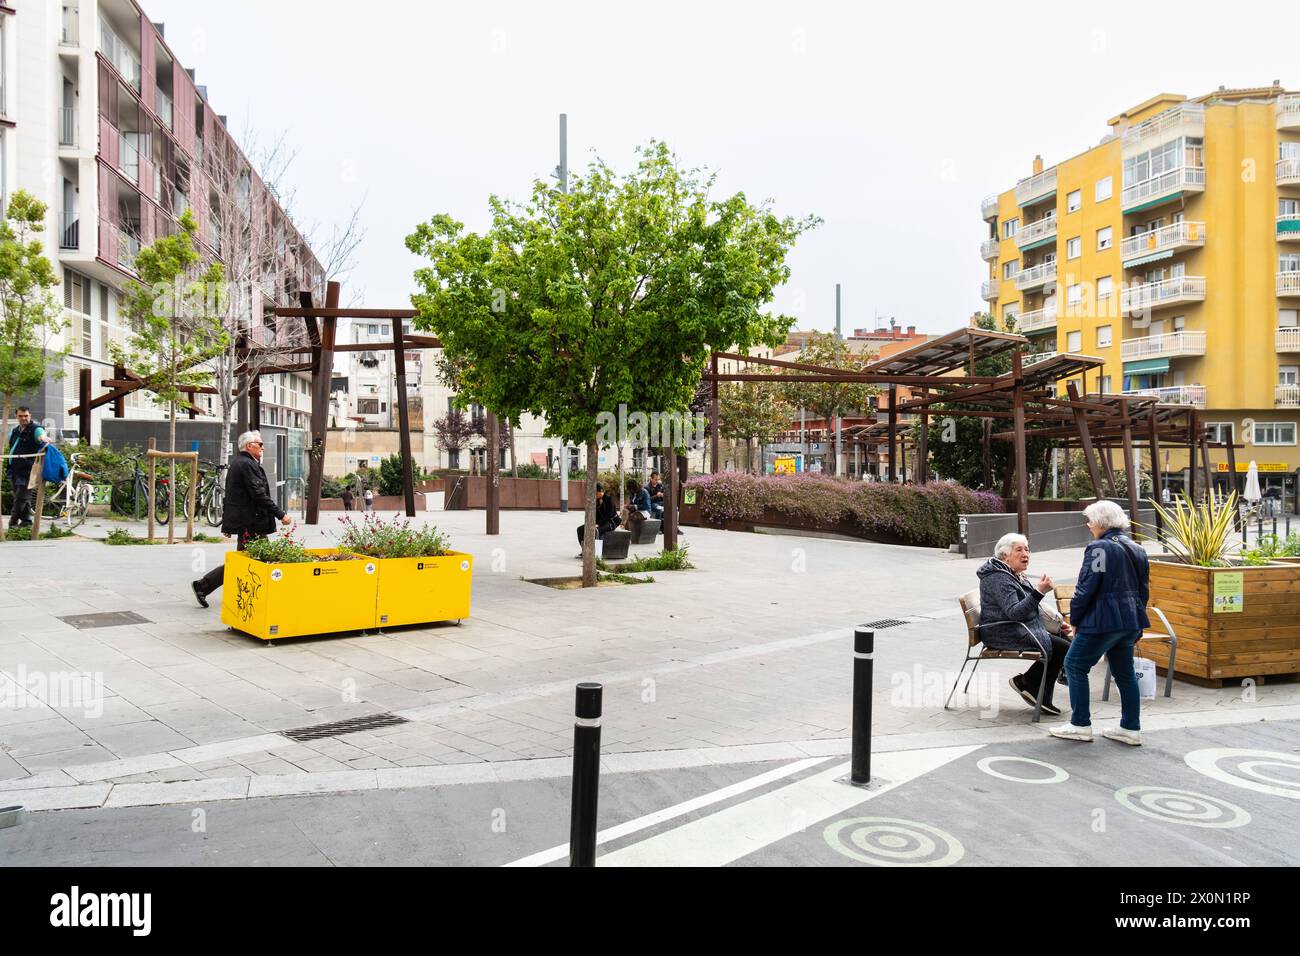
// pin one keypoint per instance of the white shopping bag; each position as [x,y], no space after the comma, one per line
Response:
[599,543]
[1146,675]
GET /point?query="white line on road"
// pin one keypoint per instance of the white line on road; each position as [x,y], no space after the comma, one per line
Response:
[669,813]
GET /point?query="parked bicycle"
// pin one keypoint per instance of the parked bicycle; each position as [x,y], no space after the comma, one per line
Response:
[210,498]
[70,501]
[129,494]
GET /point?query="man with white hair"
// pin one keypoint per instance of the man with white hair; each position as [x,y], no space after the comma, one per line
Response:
[250,511]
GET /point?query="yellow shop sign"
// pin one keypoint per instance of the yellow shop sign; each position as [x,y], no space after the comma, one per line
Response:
[1244,466]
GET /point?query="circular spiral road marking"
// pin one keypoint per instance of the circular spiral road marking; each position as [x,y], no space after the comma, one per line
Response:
[885,841]
[1241,768]
[1058,774]
[1182,806]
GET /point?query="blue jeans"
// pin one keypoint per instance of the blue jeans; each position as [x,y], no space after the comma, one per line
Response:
[1085,651]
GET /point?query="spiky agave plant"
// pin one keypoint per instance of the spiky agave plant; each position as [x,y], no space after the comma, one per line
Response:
[1200,535]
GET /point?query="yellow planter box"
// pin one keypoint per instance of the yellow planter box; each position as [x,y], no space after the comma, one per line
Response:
[423,590]
[270,601]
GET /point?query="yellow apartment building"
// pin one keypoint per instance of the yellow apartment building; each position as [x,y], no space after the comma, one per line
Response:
[1172,251]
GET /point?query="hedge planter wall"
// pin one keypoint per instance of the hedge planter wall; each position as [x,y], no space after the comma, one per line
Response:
[924,515]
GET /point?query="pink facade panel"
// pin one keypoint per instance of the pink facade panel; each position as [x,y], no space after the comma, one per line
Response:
[148,62]
[107,141]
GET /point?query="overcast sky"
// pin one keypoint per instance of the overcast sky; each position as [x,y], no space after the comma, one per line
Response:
[888,121]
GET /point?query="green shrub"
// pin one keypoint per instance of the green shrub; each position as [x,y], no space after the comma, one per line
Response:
[667,561]
[392,539]
[531,469]
[124,536]
[282,550]
[51,532]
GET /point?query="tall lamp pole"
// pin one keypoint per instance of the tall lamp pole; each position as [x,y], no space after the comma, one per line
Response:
[562,174]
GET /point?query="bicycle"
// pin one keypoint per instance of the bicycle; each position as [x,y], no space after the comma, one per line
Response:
[127,493]
[71,499]
[210,498]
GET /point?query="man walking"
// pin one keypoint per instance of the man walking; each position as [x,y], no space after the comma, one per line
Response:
[250,511]
[25,440]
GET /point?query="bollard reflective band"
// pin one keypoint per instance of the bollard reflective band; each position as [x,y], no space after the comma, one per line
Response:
[858,655]
[586,722]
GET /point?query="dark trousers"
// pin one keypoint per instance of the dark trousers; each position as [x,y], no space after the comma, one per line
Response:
[601,531]
[212,580]
[1031,677]
[22,510]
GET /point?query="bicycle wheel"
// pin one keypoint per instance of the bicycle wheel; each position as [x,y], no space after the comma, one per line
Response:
[79,507]
[52,509]
[162,504]
[213,507]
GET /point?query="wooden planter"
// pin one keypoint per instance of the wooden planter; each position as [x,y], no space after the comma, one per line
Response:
[1262,638]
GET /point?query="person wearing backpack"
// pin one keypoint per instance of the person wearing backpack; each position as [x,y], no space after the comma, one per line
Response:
[1109,613]
[26,439]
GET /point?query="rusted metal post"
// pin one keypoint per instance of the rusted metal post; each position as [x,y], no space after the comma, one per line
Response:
[1085,438]
[153,477]
[893,433]
[714,415]
[1157,476]
[404,421]
[1130,472]
[84,413]
[493,462]
[1022,469]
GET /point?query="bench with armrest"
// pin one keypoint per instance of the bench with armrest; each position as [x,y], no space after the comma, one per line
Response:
[970,609]
[1064,592]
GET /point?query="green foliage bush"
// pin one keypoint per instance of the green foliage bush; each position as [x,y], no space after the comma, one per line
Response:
[377,538]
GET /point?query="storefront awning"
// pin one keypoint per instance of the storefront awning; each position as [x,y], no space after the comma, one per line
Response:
[1147,367]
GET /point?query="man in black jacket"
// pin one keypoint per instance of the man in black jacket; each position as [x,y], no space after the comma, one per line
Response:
[25,441]
[250,511]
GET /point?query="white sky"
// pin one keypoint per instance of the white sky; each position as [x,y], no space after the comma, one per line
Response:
[888,121]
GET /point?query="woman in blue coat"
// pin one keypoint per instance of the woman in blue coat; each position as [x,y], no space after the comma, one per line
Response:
[1108,613]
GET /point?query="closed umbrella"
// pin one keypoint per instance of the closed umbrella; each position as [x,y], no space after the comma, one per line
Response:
[1252,492]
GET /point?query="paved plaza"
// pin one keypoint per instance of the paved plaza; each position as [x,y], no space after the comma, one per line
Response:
[713,677]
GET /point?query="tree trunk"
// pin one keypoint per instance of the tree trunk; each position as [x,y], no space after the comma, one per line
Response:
[4,424]
[589,516]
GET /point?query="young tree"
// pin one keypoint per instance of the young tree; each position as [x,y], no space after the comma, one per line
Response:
[175,315]
[30,316]
[614,293]
[827,400]
[752,411]
[454,431]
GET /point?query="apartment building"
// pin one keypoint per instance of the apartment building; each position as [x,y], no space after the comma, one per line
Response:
[1172,251]
[99,119]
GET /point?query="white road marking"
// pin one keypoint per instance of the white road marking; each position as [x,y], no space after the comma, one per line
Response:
[734,832]
[677,810]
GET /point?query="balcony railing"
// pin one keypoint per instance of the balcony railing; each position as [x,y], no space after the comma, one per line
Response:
[989,250]
[989,206]
[1037,320]
[1288,339]
[119,54]
[1288,111]
[162,105]
[69,230]
[1286,396]
[1036,231]
[1288,283]
[1187,118]
[1153,295]
[1169,345]
[1174,394]
[1288,226]
[129,159]
[1038,186]
[71,35]
[1175,181]
[68,126]
[1036,276]
[989,290]
[128,247]
[1288,172]
[1034,357]
[1177,236]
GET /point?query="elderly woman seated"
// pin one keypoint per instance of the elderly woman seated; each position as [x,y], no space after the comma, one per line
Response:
[1011,618]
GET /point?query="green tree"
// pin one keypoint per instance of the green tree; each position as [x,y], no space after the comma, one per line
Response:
[827,400]
[752,411]
[175,313]
[614,293]
[30,315]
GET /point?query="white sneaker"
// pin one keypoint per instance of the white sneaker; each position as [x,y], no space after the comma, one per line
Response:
[1071,732]
[1131,737]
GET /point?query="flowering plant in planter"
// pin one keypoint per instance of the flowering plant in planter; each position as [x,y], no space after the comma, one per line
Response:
[286,549]
[377,538]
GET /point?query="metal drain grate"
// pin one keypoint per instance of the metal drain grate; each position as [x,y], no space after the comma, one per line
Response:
[104,619]
[887,622]
[349,726]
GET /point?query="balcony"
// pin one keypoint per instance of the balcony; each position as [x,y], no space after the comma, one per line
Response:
[71,33]
[1288,227]
[1036,277]
[1157,295]
[68,126]
[1035,357]
[1038,320]
[1174,394]
[129,160]
[1288,172]
[1037,233]
[1169,345]
[1162,189]
[162,106]
[1288,111]
[989,207]
[1036,188]
[1288,283]
[1186,119]
[989,250]
[69,230]
[1286,396]
[1175,238]
[989,290]
[128,247]
[1288,339]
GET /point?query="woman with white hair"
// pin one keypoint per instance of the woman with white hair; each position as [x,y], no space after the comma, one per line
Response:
[1109,612]
[1010,618]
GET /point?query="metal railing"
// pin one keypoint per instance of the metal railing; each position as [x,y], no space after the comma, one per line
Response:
[1286,396]
[69,230]
[128,158]
[1185,342]
[1035,231]
[1036,186]
[989,250]
[1288,172]
[162,105]
[1288,339]
[1288,225]
[71,34]
[1179,118]
[1174,394]
[1033,357]
[128,247]
[1036,320]
[989,206]
[1288,110]
[1176,180]
[1037,275]
[68,126]
[989,289]
[1147,294]
[1166,237]
[1288,283]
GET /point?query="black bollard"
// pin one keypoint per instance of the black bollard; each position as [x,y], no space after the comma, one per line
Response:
[864,646]
[586,775]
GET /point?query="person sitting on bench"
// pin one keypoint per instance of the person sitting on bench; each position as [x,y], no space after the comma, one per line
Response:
[606,515]
[656,489]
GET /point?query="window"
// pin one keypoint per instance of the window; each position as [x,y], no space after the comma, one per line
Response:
[1105,287]
[76,291]
[1275,433]
[1288,207]
[1104,189]
[1074,201]
[1286,375]
[1073,248]
[1074,294]
[1010,312]
[1009,269]
[1010,227]
[1288,263]
[1103,385]
[1218,431]
[453,458]
[1178,322]
[1286,318]
[1073,341]
[372,330]
[1288,151]
[1105,238]
[1103,336]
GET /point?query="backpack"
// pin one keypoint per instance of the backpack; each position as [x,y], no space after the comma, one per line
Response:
[55,466]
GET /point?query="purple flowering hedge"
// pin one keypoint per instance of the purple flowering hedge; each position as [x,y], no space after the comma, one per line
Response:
[923,515]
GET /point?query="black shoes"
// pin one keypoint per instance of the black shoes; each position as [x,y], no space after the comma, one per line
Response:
[1018,685]
[199,595]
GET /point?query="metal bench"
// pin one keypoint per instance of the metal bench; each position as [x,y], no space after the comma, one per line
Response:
[970,609]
